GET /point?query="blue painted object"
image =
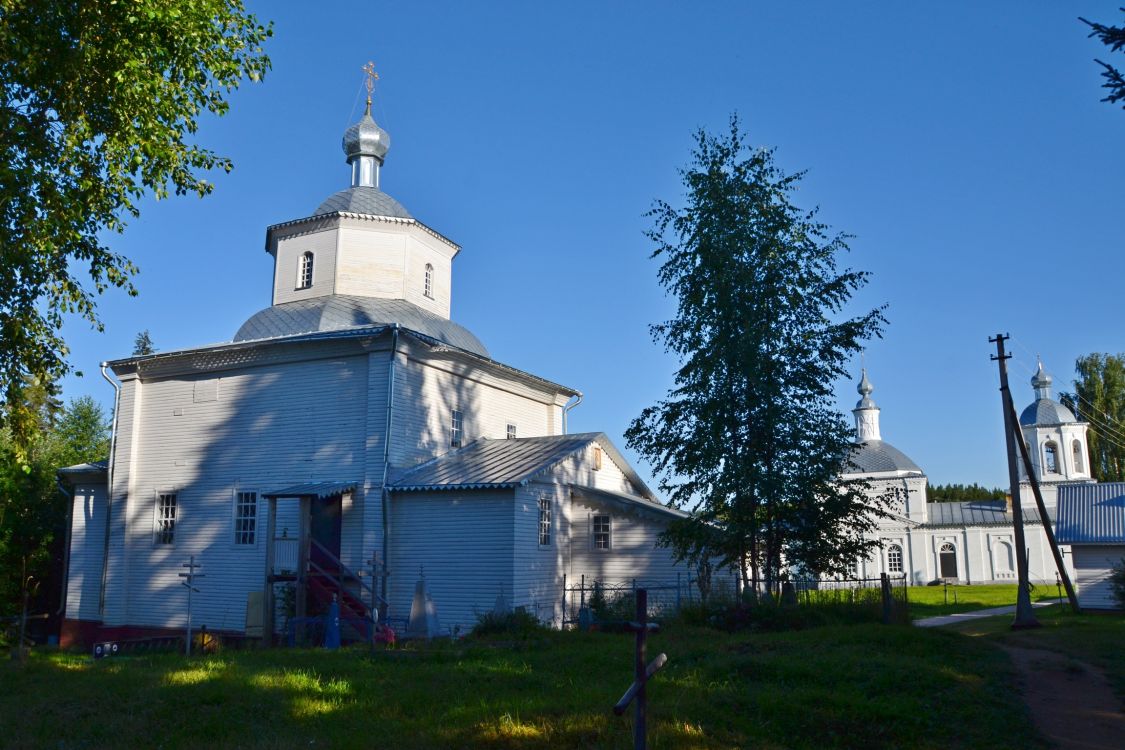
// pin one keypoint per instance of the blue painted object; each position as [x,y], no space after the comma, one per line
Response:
[332,626]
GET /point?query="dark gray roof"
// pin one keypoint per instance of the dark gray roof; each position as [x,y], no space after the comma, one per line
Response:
[1046,411]
[1091,513]
[94,467]
[340,312]
[363,200]
[495,464]
[313,489]
[878,455]
[975,513]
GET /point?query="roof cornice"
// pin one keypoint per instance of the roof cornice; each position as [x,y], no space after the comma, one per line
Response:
[362,217]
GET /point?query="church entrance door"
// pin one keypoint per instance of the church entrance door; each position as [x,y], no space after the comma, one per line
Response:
[324,528]
[947,560]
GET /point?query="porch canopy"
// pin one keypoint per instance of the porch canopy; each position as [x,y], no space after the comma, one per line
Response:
[316,490]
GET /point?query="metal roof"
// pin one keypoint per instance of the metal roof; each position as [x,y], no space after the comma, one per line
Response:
[493,464]
[976,513]
[337,312]
[1046,411]
[874,456]
[318,490]
[1091,513]
[631,500]
[93,467]
[363,200]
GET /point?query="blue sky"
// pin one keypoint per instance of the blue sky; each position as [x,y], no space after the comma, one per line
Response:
[963,144]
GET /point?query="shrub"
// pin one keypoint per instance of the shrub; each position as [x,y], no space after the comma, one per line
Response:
[518,623]
[1117,582]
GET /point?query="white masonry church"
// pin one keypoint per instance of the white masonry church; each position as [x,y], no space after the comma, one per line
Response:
[970,542]
[348,423]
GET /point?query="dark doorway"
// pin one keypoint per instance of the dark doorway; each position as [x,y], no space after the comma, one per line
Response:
[947,559]
[324,528]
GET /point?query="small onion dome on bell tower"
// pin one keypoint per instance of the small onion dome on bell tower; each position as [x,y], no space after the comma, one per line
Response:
[866,412]
[1041,382]
[365,143]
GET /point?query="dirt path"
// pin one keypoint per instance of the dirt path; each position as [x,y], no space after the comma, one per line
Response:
[1071,702]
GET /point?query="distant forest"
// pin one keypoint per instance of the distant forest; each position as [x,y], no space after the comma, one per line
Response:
[959,493]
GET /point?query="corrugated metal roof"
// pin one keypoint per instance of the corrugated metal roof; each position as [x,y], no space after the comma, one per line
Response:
[362,199]
[976,513]
[1046,411]
[488,463]
[1091,513]
[318,490]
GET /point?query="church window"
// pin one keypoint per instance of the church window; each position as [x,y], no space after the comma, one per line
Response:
[544,521]
[1079,464]
[947,561]
[602,531]
[1004,558]
[245,517]
[165,518]
[1051,458]
[305,271]
[428,290]
[511,431]
[456,429]
[597,458]
[894,559]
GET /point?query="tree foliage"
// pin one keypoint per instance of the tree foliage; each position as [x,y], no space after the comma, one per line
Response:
[961,493]
[1114,38]
[749,435]
[33,511]
[1099,398]
[98,105]
[143,345]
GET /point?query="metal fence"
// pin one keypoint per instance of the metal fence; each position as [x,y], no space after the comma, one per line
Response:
[615,600]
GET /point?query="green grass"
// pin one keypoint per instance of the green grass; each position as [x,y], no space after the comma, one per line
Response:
[930,601]
[1093,638]
[843,686]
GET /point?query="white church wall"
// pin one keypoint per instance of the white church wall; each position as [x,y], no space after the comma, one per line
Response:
[123,499]
[427,392]
[371,260]
[632,552]
[421,249]
[322,244]
[87,538]
[580,469]
[463,544]
[205,438]
[538,569]
[1094,564]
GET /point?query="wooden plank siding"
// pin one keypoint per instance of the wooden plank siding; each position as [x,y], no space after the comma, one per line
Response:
[1094,563]
[87,540]
[462,541]
[322,244]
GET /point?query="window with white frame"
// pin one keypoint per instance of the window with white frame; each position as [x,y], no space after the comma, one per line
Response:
[544,521]
[305,271]
[1051,456]
[456,429]
[597,458]
[511,431]
[245,517]
[1079,464]
[894,559]
[165,531]
[428,288]
[602,532]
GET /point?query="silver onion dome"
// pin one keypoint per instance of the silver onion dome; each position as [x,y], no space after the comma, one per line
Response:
[366,138]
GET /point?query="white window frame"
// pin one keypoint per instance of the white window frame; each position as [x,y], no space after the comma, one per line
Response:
[1076,456]
[428,282]
[253,530]
[1051,450]
[457,429]
[511,433]
[597,535]
[164,524]
[895,557]
[598,458]
[305,268]
[546,520]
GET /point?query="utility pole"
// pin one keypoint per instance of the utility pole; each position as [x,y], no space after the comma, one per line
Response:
[1025,617]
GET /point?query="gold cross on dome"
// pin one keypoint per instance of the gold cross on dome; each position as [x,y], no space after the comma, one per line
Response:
[372,76]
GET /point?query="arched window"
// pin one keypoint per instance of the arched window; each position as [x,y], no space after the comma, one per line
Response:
[1004,560]
[1079,464]
[1051,458]
[305,271]
[894,559]
[947,561]
[428,289]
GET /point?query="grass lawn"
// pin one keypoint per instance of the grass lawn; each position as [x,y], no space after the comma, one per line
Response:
[930,601]
[844,686]
[1093,638]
